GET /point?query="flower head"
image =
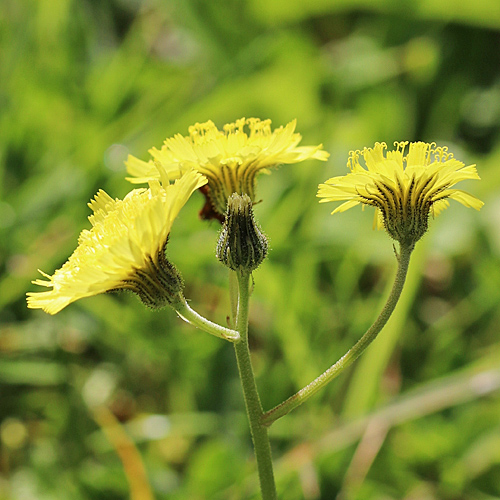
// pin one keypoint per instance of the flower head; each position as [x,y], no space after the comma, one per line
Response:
[405,186]
[124,249]
[230,158]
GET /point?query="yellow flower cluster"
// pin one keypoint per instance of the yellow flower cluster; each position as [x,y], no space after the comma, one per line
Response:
[125,248]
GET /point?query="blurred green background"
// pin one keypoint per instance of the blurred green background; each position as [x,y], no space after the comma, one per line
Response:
[83,83]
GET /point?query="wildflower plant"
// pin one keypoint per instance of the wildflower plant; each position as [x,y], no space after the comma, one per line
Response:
[126,247]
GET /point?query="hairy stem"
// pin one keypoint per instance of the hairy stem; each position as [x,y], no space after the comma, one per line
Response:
[191,316]
[253,405]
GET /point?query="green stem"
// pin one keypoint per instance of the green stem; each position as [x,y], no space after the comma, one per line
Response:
[347,359]
[253,405]
[191,316]
[233,297]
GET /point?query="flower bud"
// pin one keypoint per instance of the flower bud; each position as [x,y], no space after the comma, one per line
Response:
[242,245]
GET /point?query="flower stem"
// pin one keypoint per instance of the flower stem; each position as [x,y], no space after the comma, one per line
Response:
[191,316]
[253,405]
[233,297]
[347,359]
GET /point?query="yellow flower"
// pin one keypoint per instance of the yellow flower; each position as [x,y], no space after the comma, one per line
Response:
[404,187]
[229,158]
[124,249]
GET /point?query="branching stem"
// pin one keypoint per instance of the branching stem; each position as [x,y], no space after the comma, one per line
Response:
[347,359]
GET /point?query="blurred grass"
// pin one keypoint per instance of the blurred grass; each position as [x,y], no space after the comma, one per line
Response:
[84,83]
